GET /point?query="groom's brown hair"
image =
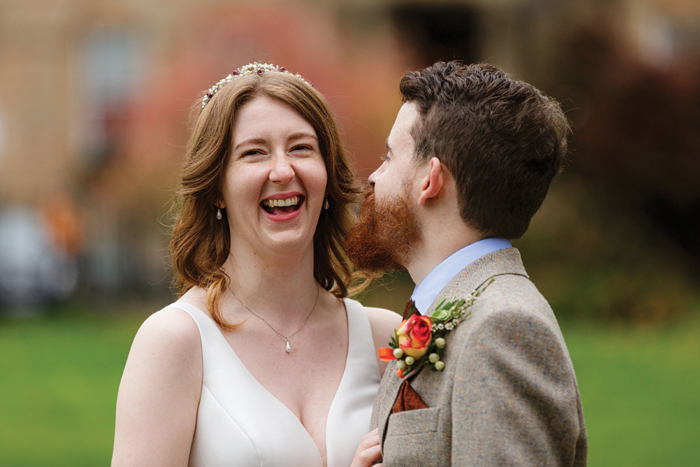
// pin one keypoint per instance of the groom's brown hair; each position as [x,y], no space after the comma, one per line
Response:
[502,140]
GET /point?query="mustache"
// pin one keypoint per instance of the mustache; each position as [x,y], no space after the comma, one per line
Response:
[368,201]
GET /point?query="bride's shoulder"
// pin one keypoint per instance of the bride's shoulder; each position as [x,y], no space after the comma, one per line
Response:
[171,324]
[383,322]
[170,332]
[378,317]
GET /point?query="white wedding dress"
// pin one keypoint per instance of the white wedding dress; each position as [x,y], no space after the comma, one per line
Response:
[239,423]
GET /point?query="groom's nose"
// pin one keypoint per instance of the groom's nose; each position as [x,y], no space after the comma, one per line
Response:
[373,177]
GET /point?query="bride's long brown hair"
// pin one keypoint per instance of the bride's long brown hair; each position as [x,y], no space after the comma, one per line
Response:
[200,243]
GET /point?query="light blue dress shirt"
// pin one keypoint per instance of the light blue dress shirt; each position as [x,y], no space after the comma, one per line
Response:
[427,291]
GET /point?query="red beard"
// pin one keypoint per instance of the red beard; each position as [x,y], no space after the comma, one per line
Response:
[384,236]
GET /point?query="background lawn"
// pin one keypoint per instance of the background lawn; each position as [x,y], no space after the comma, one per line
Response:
[59,378]
[58,386]
[640,391]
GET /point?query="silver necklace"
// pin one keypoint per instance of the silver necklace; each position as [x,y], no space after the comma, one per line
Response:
[287,347]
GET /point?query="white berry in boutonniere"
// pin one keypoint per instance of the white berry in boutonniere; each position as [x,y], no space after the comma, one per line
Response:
[420,336]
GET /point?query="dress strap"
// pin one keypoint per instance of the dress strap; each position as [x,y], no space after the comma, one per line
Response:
[360,341]
[202,319]
[215,348]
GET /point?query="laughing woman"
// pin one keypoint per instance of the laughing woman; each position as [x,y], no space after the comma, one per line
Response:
[262,360]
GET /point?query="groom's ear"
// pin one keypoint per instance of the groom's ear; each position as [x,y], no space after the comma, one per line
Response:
[432,184]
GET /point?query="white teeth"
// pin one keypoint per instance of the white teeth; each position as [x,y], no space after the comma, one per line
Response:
[273,203]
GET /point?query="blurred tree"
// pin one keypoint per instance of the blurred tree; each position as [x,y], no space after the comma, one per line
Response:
[636,133]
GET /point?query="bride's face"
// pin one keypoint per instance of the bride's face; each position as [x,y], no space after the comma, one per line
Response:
[275,181]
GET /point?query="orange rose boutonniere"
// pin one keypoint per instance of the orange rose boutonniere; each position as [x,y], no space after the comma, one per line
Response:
[419,336]
[414,335]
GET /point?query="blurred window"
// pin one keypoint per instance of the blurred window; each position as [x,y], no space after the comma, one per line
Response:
[111,72]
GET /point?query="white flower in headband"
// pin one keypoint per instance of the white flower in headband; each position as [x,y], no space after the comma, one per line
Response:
[254,68]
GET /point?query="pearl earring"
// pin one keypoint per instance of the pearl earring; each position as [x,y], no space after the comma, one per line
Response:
[326,204]
[219,216]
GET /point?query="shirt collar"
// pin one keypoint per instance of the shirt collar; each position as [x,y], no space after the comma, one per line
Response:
[427,291]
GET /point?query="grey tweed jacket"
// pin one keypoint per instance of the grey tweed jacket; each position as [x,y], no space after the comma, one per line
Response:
[508,394]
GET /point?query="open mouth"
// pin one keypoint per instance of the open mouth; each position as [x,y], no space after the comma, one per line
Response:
[280,207]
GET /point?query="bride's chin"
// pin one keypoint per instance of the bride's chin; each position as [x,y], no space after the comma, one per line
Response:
[289,242]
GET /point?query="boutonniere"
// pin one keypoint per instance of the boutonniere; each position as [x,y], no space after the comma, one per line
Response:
[420,339]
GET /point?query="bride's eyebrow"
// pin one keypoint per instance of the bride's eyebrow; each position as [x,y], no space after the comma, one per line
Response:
[300,135]
[250,141]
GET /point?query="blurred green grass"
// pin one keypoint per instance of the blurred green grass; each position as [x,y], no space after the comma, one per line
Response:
[59,379]
[58,387]
[640,392]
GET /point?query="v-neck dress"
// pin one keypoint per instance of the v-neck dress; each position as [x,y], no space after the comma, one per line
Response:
[240,423]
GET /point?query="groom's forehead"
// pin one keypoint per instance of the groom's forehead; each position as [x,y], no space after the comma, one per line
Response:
[400,136]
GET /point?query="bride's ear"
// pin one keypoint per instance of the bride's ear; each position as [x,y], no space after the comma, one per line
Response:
[218,202]
[431,185]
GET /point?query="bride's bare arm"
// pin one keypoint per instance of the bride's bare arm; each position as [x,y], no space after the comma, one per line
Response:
[159,393]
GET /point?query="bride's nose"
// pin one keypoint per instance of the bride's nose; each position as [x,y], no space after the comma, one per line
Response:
[282,171]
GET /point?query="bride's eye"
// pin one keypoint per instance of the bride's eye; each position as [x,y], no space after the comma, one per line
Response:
[252,152]
[302,147]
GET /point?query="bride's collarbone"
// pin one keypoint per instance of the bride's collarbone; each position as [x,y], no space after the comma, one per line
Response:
[309,371]
[324,336]
[305,359]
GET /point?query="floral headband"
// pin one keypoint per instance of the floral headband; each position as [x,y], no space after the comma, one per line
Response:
[254,68]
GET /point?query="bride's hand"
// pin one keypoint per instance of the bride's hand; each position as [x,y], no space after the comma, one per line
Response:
[368,451]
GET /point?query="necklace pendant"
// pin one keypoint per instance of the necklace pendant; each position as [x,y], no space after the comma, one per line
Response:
[288,348]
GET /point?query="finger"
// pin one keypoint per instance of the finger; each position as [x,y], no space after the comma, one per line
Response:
[369,442]
[370,455]
[371,434]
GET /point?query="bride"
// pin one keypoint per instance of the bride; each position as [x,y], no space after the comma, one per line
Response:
[262,360]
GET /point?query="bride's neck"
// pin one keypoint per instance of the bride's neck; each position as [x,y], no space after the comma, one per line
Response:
[277,285]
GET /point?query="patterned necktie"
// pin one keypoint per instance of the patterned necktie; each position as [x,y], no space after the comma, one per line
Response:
[410,304]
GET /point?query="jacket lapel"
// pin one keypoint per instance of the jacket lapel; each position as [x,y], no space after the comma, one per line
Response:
[388,391]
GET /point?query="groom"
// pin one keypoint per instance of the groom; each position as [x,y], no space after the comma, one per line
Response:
[469,162]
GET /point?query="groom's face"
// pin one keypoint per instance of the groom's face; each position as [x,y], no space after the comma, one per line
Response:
[388,230]
[398,169]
